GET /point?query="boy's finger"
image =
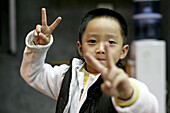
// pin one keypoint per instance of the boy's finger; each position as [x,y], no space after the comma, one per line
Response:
[55,23]
[44,17]
[35,34]
[95,63]
[38,28]
[44,38]
[107,88]
[109,57]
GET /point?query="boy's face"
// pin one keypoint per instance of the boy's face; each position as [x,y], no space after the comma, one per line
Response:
[98,32]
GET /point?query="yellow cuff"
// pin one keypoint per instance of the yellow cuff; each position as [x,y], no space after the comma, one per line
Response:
[132,100]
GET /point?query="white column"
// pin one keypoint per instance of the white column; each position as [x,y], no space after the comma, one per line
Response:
[150,64]
[12,26]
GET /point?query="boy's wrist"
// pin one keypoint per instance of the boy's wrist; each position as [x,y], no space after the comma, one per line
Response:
[127,93]
[131,100]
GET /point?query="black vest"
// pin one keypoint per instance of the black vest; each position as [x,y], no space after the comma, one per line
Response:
[96,101]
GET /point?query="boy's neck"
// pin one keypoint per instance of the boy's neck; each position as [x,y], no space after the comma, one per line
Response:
[90,69]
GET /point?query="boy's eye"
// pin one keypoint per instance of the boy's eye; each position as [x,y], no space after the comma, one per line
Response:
[112,42]
[92,41]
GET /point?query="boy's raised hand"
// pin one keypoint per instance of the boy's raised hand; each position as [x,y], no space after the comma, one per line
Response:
[43,32]
[115,79]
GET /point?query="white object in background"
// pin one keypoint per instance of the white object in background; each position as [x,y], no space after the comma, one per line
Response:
[149,57]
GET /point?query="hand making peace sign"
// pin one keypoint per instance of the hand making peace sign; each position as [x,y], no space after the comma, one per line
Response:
[42,32]
[115,79]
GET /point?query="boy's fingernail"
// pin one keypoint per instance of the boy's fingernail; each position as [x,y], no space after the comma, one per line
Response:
[43,9]
[36,34]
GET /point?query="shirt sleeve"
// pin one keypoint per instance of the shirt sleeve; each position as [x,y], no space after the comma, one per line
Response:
[142,100]
[37,73]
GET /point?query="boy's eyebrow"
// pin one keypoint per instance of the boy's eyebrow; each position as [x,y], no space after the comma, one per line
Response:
[112,35]
[92,35]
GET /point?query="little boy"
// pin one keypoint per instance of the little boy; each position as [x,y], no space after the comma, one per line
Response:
[96,84]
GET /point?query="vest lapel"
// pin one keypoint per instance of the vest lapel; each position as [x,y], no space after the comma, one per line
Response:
[64,92]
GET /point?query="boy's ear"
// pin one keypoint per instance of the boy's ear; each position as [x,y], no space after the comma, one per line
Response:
[124,52]
[79,48]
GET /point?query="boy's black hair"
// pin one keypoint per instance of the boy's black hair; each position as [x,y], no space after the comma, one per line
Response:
[103,12]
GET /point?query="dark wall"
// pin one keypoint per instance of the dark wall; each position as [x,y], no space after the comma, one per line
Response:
[165,10]
[4,26]
[15,95]
[67,32]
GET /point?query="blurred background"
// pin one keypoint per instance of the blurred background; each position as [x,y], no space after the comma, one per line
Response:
[149,28]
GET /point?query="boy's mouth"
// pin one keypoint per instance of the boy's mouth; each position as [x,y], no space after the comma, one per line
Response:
[101,59]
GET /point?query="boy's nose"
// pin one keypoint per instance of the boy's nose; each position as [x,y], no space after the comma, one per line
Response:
[100,49]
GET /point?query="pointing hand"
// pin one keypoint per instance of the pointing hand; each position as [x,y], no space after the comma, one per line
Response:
[115,80]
